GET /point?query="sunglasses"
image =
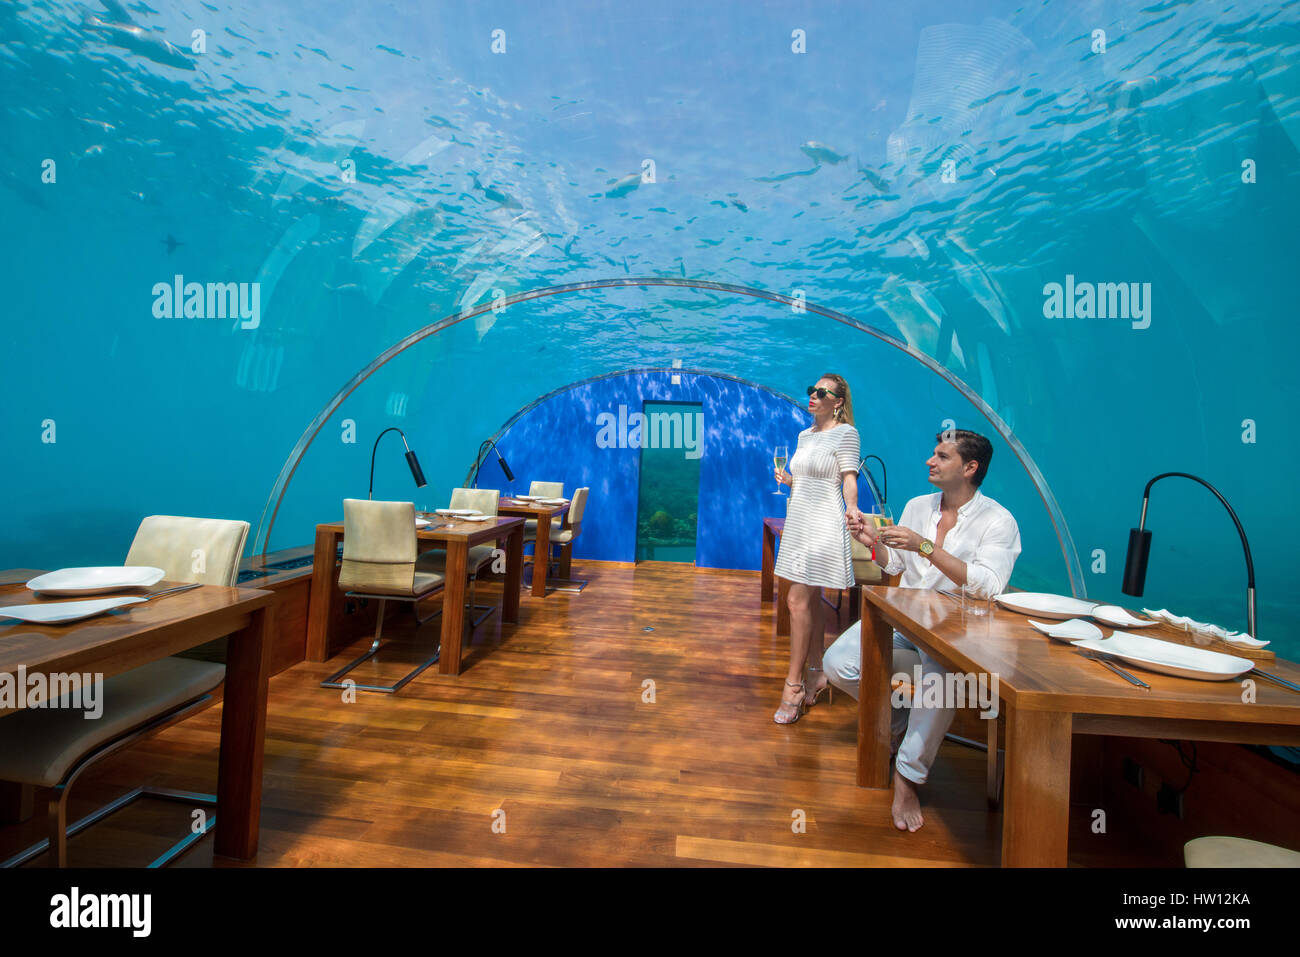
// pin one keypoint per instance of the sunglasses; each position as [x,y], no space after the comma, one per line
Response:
[821,393]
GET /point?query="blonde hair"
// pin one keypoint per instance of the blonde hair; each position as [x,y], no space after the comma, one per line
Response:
[845,412]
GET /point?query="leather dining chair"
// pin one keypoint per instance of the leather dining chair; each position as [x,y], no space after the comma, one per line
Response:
[486,501]
[379,562]
[548,489]
[563,534]
[53,748]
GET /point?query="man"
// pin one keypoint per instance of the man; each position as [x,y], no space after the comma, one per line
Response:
[951,538]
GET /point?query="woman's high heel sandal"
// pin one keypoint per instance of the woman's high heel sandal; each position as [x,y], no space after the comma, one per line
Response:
[789,711]
[810,699]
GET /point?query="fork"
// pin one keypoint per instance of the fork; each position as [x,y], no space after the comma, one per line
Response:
[1115,668]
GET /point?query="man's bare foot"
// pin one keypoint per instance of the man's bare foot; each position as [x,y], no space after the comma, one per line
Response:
[906,808]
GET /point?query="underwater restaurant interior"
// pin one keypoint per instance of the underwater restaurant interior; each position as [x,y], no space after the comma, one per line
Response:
[487,435]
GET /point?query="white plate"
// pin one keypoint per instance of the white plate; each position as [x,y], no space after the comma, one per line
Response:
[552,501]
[476,518]
[422,522]
[1041,605]
[1117,617]
[527,498]
[456,511]
[61,612]
[96,580]
[1169,658]
[1071,630]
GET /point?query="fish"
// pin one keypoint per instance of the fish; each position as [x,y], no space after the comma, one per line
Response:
[621,187]
[821,153]
[171,242]
[740,206]
[124,32]
[496,195]
[875,179]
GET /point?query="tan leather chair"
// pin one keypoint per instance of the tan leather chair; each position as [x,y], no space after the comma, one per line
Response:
[52,748]
[549,489]
[1218,852]
[486,501]
[563,533]
[379,562]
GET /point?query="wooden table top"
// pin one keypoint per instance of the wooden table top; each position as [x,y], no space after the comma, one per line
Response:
[450,529]
[776,524]
[514,506]
[124,638]
[1037,673]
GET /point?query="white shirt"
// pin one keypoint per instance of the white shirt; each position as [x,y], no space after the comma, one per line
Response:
[986,537]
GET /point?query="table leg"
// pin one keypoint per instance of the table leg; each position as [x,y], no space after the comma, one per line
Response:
[243,735]
[1036,793]
[769,561]
[453,607]
[873,704]
[514,573]
[542,556]
[324,592]
[782,607]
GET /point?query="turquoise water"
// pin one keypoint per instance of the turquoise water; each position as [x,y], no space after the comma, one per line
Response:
[928,169]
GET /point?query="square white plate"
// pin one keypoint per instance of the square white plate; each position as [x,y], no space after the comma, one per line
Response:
[95,580]
[62,612]
[1168,657]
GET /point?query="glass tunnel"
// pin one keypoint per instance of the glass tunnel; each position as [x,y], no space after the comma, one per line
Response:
[1068,226]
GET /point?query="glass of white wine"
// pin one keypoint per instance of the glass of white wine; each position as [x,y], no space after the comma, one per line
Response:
[780,455]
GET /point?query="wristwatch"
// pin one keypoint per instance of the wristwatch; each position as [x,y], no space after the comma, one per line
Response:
[926,548]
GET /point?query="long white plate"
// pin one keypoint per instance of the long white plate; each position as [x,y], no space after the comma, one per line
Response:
[95,580]
[62,612]
[456,511]
[552,501]
[1042,605]
[475,518]
[1168,657]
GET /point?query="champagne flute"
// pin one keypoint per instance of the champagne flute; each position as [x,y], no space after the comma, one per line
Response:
[780,456]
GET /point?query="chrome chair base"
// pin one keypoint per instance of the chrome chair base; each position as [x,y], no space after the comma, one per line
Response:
[333,680]
[58,813]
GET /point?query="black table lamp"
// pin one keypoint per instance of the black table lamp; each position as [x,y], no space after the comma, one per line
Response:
[1139,550]
[416,472]
[482,456]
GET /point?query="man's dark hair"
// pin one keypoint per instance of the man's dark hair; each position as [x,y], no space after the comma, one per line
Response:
[970,445]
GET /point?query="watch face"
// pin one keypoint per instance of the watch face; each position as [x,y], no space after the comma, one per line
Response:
[927,547]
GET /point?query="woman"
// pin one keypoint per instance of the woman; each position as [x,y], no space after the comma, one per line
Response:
[815,547]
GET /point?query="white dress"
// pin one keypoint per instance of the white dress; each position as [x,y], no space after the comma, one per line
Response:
[815,546]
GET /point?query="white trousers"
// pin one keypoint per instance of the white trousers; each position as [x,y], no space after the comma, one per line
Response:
[921,728]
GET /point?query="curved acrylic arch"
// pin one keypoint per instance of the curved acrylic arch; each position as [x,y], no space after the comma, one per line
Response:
[1071,556]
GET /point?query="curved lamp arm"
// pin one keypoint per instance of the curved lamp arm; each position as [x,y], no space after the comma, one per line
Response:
[416,472]
[484,447]
[881,493]
[1139,548]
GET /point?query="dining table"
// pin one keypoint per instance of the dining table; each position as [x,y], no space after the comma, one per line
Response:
[1047,692]
[134,635]
[542,514]
[456,535]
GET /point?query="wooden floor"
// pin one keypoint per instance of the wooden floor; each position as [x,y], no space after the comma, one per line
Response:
[548,725]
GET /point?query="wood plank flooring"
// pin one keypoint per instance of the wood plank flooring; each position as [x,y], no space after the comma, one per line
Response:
[544,753]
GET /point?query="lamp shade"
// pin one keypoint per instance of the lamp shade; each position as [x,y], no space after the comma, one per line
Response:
[1135,561]
[416,472]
